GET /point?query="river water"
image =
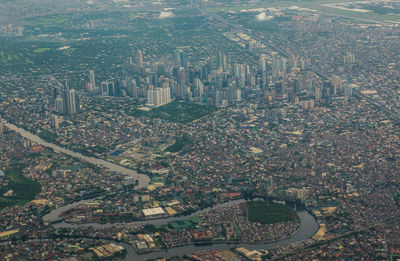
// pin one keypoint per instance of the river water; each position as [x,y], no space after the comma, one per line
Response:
[143,180]
[308,225]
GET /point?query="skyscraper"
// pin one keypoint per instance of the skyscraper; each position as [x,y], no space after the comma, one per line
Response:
[55,122]
[221,61]
[349,58]
[92,79]
[139,59]
[337,83]
[159,96]
[1,125]
[59,104]
[69,101]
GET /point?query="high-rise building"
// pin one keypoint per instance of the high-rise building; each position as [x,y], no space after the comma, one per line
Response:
[177,57]
[55,121]
[348,91]
[327,89]
[221,61]
[349,58]
[270,185]
[59,104]
[92,79]
[139,62]
[318,94]
[1,125]
[108,88]
[262,63]
[159,96]
[70,102]
[199,87]
[337,84]
[182,59]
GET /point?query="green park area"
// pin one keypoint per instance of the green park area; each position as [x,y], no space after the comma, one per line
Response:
[9,59]
[41,50]
[179,144]
[20,189]
[179,225]
[52,20]
[266,212]
[181,112]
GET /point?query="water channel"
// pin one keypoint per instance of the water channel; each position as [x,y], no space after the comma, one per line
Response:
[142,179]
[308,225]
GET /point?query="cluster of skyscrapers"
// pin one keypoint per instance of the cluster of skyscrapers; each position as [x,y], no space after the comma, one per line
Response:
[215,81]
[65,100]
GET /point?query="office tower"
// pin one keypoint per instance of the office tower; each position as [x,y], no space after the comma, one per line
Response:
[132,89]
[218,98]
[221,61]
[327,88]
[283,64]
[270,185]
[296,86]
[278,88]
[182,59]
[70,102]
[238,95]
[92,79]
[139,62]
[348,91]
[58,103]
[262,63]
[55,122]
[349,58]
[107,88]
[1,125]
[198,87]
[312,84]
[159,96]
[291,94]
[318,94]
[276,64]
[64,100]
[253,81]
[89,87]
[337,83]
[302,63]
[177,57]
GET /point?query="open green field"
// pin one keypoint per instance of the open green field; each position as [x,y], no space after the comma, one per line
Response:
[179,225]
[181,112]
[51,20]
[25,189]
[265,212]
[41,50]
[179,144]
[9,59]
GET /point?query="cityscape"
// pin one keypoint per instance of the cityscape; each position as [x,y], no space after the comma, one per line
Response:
[199,130]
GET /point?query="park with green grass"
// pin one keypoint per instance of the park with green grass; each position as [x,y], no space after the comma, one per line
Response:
[24,189]
[181,112]
[267,212]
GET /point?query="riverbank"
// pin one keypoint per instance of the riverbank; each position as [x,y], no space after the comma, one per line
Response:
[308,225]
[143,180]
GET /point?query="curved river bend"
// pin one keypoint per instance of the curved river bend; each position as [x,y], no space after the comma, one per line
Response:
[308,225]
